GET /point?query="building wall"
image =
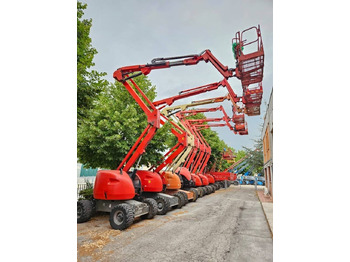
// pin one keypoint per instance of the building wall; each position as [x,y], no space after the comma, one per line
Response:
[267,135]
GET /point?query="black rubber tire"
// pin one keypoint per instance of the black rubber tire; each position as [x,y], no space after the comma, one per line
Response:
[121,216]
[210,189]
[163,205]
[181,200]
[195,194]
[228,184]
[153,208]
[201,192]
[213,187]
[185,197]
[84,210]
[205,190]
[235,183]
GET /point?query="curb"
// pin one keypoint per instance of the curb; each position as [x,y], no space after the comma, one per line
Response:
[267,221]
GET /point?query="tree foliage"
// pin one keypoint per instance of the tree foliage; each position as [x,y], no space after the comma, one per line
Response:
[256,158]
[89,82]
[114,124]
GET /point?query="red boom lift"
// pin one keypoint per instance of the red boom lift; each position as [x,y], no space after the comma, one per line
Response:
[204,154]
[184,173]
[115,191]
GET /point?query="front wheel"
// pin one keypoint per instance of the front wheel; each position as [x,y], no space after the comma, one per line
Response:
[121,216]
[163,205]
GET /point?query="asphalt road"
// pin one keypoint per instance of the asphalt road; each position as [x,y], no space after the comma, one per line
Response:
[228,225]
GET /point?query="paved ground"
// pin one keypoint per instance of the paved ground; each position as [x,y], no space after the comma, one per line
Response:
[228,225]
[267,204]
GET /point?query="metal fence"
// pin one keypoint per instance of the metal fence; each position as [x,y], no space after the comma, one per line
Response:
[81,186]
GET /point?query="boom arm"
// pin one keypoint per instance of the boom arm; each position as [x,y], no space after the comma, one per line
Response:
[123,73]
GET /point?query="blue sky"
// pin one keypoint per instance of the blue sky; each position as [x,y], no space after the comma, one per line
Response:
[134,32]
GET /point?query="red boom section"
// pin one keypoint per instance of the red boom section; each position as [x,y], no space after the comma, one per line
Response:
[205,151]
[154,116]
[153,119]
[198,90]
[204,147]
[240,124]
[177,149]
[122,73]
[200,127]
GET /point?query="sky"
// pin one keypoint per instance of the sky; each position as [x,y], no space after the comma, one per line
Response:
[134,32]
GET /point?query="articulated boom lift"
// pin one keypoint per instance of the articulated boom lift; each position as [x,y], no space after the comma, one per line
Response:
[228,155]
[211,179]
[240,127]
[127,194]
[187,156]
[204,149]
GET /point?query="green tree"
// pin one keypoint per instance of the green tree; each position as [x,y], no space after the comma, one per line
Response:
[256,158]
[89,82]
[113,125]
[239,154]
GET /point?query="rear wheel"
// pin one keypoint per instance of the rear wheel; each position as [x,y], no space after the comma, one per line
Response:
[163,205]
[121,216]
[235,183]
[208,190]
[195,194]
[201,192]
[153,208]
[185,196]
[182,198]
[205,190]
[84,210]
[178,196]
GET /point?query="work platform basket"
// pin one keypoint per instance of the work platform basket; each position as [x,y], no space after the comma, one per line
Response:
[249,56]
